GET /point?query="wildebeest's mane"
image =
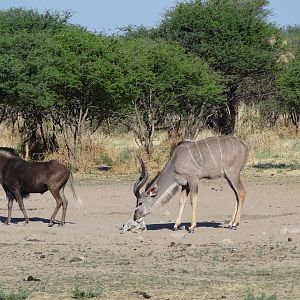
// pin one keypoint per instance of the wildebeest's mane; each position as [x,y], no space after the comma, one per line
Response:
[10,152]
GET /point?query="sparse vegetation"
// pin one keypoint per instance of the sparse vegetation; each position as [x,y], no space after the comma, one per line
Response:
[19,295]
[79,293]
[251,296]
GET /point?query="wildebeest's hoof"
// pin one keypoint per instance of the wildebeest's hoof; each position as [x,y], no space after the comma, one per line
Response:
[50,224]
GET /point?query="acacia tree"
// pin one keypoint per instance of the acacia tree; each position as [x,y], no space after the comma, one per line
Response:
[159,79]
[82,79]
[288,84]
[235,38]
[23,66]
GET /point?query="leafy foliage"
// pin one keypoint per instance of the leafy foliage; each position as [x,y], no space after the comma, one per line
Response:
[234,38]
[159,78]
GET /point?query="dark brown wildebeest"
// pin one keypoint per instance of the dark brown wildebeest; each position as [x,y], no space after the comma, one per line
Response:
[19,178]
[209,158]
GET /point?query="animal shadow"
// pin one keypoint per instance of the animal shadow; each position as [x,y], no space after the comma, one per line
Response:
[170,226]
[33,219]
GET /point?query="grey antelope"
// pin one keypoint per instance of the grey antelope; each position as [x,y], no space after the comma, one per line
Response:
[209,158]
[19,178]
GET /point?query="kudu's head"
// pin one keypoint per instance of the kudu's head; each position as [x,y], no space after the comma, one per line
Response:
[145,199]
[157,192]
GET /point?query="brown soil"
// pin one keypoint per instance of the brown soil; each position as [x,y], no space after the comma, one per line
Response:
[261,257]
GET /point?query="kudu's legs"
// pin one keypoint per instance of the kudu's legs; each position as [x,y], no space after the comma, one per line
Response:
[193,185]
[240,193]
[182,200]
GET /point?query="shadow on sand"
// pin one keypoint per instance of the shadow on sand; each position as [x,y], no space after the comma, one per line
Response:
[170,226]
[34,219]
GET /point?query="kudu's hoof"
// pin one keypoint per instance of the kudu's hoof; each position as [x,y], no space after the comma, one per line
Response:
[232,226]
[179,227]
[191,230]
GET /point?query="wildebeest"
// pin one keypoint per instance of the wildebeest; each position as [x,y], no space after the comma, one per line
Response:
[19,178]
[209,158]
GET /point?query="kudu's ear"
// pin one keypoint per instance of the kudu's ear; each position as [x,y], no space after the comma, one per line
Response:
[153,191]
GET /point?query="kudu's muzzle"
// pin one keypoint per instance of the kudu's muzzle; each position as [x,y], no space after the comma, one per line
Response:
[137,214]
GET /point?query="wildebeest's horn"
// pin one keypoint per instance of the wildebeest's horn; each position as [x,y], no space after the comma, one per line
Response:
[141,181]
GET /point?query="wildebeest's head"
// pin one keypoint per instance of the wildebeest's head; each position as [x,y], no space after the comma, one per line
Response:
[9,151]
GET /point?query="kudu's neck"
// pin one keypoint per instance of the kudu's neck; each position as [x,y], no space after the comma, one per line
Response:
[166,184]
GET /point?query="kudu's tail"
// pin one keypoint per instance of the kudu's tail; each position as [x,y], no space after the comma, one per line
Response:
[78,201]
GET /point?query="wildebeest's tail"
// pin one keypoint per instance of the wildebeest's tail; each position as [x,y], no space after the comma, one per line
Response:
[78,201]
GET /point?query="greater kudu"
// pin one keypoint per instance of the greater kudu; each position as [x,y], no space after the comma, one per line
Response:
[209,158]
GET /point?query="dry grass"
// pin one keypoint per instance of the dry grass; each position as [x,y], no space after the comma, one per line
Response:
[272,150]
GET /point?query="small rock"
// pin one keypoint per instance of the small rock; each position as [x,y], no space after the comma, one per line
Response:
[173,244]
[140,238]
[104,168]
[31,278]
[290,239]
[77,258]
[143,294]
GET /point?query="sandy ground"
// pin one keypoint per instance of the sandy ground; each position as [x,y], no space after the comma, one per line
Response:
[89,252]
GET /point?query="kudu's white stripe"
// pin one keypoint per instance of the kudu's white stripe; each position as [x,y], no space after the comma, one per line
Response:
[210,152]
[193,158]
[243,150]
[199,151]
[220,152]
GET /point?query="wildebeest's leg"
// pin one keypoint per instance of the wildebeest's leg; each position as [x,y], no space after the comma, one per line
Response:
[239,190]
[60,201]
[19,198]
[10,198]
[182,200]
[64,204]
[58,205]
[9,206]
[193,184]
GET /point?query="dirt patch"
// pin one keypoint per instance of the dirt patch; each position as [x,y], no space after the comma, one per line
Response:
[262,256]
